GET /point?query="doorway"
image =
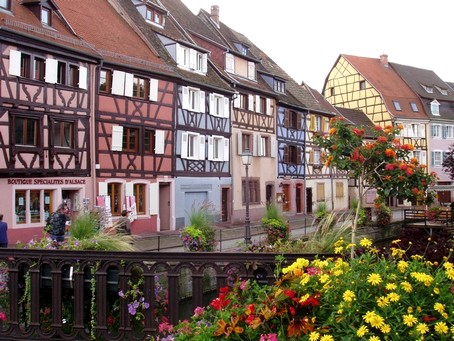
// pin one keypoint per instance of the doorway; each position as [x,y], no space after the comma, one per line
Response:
[164,206]
[299,198]
[309,200]
[286,198]
[225,216]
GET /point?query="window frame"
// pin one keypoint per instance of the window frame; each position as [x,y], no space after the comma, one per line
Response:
[105,82]
[114,190]
[154,14]
[414,107]
[397,105]
[130,140]
[6,6]
[137,88]
[254,191]
[436,131]
[48,16]
[339,189]
[434,158]
[362,85]
[279,86]
[61,134]
[140,194]
[25,128]
[246,142]
[149,136]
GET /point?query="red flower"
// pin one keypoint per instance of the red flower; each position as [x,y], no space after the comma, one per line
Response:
[358,132]
[289,293]
[382,139]
[312,301]
[428,319]
[390,166]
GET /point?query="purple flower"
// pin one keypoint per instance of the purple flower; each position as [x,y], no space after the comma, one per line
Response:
[135,304]
[146,305]
[131,309]
[121,293]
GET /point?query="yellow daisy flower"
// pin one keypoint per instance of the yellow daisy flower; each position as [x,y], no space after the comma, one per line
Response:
[374,279]
[363,330]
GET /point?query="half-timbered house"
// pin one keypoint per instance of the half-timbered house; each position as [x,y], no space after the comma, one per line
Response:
[46,118]
[133,133]
[202,100]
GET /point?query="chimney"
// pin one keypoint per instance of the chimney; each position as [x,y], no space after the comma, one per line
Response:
[215,14]
[384,59]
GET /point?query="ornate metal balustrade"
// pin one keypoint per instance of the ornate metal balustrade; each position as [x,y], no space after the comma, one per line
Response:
[68,294]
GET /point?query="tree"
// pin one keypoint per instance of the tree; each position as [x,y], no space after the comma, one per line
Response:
[384,164]
[448,162]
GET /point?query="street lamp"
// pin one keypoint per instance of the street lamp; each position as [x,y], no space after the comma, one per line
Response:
[246,158]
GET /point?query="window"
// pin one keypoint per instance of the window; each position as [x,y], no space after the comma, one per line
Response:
[193,99]
[154,16]
[263,145]
[114,191]
[61,73]
[448,132]
[38,69]
[294,120]
[320,191]
[428,89]
[292,154]
[254,191]
[362,85]
[191,59]
[139,193]
[46,16]
[229,63]
[414,107]
[339,189]
[397,105]
[317,159]
[5,4]
[63,134]
[148,141]
[26,131]
[435,107]
[437,158]
[218,148]
[420,156]
[251,70]
[332,91]
[279,86]
[414,130]
[130,139]
[442,91]
[241,101]
[25,65]
[241,48]
[140,87]
[105,81]
[318,123]
[73,75]
[246,142]
[219,105]
[29,208]
[436,131]
[192,146]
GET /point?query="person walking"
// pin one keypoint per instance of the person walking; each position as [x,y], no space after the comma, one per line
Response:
[57,224]
[123,225]
[3,232]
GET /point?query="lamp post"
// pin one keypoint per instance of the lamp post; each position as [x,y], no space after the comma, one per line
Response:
[246,158]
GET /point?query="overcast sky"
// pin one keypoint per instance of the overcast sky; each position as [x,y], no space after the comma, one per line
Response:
[305,37]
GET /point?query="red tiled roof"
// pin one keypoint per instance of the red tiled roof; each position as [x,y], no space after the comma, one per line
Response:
[388,83]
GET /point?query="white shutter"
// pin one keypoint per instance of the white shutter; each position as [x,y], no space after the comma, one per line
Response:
[118,83]
[102,188]
[273,146]
[423,157]
[251,70]
[51,71]
[179,57]
[251,102]
[185,99]
[192,59]
[254,145]
[129,84]
[211,100]
[205,63]
[117,138]
[237,100]
[240,143]
[14,62]
[268,106]
[159,143]
[184,146]
[83,76]
[229,63]
[129,189]
[202,108]
[422,130]
[226,152]
[154,199]
[226,110]
[259,144]
[210,148]
[154,88]
[257,104]
[201,147]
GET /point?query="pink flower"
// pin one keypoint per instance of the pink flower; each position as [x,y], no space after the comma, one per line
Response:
[199,311]
[268,337]
[2,316]
[243,285]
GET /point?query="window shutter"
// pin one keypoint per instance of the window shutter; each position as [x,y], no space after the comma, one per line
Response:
[432,159]
[184,146]
[444,131]
[201,147]
[312,123]
[159,143]
[286,156]
[129,189]
[154,199]
[311,157]
[299,121]
[422,130]
[192,59]
[118,83]
[432,130]
[298,155]
[205,63]
[226,152]
[154,89]
[251,70]
[258,143]
[268,106]
[14,62]
[254,144]
[83,77]
[226,107]
[229,63]
[423,157]
[212,107]
[117,138]
[251,102]
[202,103]
[237,100]
[323,127]
[180,57]
[240,143]
[129,84]
[102,188]
[210,148]
[185,100]
[286,118]
[273,146]
[257,103]
[51,71]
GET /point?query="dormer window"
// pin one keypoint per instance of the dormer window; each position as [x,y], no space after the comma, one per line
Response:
[191,59]
[46,15]
[435,107]
[241,48]
[442,91]
[154,16]
[5,4]
[397,105]
[279,86]
[428,89]
[414,107]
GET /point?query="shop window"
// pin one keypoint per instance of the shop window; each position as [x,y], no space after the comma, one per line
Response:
[33,206]
[63,134]
[20,207]
[114,191]
[139,193]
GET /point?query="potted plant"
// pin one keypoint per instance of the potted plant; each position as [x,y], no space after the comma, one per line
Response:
[275,226]
[199,235]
